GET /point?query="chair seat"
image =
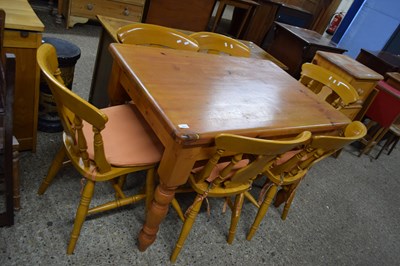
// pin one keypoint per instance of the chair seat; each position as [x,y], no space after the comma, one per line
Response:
[125,121]
[219,167]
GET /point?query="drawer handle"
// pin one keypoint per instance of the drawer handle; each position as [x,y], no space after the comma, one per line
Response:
[89,6]
[126,11]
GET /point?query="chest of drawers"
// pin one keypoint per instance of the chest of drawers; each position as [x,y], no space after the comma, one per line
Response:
[80,11]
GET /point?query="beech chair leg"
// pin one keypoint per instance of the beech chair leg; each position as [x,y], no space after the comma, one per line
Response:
[118,184]
[178,209]
[81,213]
[121,181]
[262,210]
[116,204]
[237,209]
[53,170]
[251,199]
[187,226]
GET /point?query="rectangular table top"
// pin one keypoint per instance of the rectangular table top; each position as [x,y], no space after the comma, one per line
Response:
[20,16]
[199,95]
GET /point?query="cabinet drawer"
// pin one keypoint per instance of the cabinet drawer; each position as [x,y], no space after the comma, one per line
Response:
[125,9]
[22,39]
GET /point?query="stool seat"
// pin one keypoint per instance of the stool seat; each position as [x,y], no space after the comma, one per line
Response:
[248,5]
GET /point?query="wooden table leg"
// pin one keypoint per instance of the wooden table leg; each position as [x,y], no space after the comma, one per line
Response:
[158,210]
[174,170]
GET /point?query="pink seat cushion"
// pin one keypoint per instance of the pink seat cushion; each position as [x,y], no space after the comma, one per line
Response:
[219,167]
[128,140]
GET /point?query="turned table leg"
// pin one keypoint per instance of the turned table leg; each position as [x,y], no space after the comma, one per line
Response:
[163,196]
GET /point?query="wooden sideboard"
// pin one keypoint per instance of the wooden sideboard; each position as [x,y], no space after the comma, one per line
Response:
[22,37]
[80,11]
[379,61]
[294,46]
[190,15]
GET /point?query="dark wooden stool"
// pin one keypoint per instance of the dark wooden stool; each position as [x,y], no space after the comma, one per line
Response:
[247,5]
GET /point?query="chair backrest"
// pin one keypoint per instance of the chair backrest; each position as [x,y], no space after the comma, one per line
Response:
[72,110]
[214,43]
[258,151]
[329,86]
[154,35]
[319,148]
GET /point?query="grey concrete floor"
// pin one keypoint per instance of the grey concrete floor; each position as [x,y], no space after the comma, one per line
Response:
[346,211]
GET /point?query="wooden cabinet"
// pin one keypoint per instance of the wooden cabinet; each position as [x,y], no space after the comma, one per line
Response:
[294,46]
[362,78]
[379,61]
[22,37]
[190,15]
[80,11]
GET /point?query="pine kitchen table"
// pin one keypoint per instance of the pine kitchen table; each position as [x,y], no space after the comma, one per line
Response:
[188,98]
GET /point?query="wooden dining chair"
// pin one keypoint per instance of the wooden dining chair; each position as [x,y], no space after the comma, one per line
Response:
[234,177]
[155,35]
[102,144]
[287,171]
[215,43]
[328,86]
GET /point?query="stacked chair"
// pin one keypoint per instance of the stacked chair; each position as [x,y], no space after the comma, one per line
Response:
[154,35]
[287,171]
[248,157]
[214,43]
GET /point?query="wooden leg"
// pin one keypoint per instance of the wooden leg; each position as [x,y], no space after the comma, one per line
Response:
[81,213]
[262,211]
[163,195]
[117,203]
[178,209]
[394,143]
[119,194]
[291,194]
[237,209]
[16,181]
[149,188]
[55,166]
[121,181]
[187,226]
[281,197]
[218,15]
[59,11]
